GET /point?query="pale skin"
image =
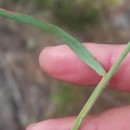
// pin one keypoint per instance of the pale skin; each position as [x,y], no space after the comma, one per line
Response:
[61,63]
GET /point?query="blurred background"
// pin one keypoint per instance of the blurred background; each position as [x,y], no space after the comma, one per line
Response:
[27,94]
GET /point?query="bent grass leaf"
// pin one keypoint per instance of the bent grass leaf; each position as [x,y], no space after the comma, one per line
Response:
[80,50]
[66,38]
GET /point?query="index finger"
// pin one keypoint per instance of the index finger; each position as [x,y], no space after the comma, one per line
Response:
[61,63]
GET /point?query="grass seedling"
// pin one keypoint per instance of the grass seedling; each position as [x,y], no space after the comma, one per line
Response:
[80,51]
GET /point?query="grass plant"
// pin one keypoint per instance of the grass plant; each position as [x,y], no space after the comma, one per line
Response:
[80,51]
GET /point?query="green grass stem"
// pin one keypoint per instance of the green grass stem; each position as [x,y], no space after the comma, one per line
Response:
[102,84]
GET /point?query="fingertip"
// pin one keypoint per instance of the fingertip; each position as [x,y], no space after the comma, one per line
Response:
[65,124]
[43,57]
[51,57]
[48,60]
[44,125]
[53,124]
[31,126]
[61,63]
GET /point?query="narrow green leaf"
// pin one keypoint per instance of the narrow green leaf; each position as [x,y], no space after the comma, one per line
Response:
[74,44]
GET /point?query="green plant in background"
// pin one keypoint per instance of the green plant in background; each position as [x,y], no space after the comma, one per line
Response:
[44,4]
[77,14]
[110,5]
[80,51]
[65,94]
[114,3]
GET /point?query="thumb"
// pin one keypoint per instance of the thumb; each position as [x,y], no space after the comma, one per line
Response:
[114,119]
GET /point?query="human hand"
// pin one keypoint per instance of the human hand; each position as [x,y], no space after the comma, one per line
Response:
[61,63]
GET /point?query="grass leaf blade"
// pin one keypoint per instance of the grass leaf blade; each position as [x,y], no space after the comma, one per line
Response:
[74,44]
